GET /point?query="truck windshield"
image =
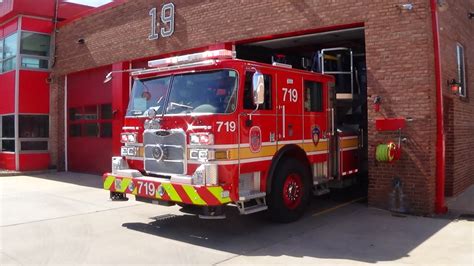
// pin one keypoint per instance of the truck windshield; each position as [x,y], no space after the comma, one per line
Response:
[147,93]
[203,92]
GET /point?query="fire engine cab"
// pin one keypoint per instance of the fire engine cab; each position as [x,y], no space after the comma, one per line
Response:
[210,130]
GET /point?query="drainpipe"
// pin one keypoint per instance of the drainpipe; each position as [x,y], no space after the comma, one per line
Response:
[440,206]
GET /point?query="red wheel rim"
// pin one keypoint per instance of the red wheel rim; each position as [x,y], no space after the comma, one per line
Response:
[292,191]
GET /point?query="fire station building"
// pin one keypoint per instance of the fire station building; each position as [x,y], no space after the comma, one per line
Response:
[410,73]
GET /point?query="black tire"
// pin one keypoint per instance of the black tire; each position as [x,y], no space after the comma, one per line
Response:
[289,198]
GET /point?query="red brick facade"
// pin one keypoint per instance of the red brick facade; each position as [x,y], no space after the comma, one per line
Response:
[456,28]
[400,65]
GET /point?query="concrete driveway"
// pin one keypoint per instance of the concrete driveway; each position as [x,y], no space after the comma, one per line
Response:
[66,218]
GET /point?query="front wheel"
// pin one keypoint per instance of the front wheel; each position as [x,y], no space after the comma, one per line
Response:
[290,195]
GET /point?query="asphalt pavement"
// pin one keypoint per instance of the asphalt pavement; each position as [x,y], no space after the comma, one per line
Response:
[67,219]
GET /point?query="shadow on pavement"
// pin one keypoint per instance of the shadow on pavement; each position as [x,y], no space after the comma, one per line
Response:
[80,179]
[351,232]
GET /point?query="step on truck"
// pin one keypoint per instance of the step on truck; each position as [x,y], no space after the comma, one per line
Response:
[209,130]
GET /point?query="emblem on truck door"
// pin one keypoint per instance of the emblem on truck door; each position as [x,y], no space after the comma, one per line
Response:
[315,135]
[255,139]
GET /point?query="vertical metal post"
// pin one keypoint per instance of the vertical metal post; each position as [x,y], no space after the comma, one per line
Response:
[440,204]
[120,89]
[331,133]
[17,95]
[66,168]
[352,73]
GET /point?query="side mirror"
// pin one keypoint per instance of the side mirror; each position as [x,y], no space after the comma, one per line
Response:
[258,88]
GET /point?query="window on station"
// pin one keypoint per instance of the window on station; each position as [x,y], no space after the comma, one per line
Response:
[34,44]
[106,130]
[33,132]
[8,51]
[313,100]
[8,145]
[8,126]
[248,94]
[106,113]
[34,126]
[35,50]
[461,69]
[91,121]
[7,133]
[28,62]
[75,130]
[34,145]
[91,130]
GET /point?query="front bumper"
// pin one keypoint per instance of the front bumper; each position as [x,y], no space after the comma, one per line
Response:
[162,189]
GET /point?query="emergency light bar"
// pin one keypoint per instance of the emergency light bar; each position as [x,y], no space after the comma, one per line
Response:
[190,58]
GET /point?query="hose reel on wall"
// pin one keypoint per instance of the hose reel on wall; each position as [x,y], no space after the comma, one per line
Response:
[390,151]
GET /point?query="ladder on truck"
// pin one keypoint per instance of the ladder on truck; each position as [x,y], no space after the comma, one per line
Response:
[339,62]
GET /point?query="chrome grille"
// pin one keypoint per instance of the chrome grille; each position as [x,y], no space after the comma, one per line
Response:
[165,151]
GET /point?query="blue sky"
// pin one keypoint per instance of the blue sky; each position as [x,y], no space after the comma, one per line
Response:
[93,3]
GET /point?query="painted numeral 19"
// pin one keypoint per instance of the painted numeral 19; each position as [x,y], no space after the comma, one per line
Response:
[167,18]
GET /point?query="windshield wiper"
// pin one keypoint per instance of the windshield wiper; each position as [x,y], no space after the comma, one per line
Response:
[180,105]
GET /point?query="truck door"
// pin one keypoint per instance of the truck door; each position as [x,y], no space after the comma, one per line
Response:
[257,135]
[315,127]
[289,109]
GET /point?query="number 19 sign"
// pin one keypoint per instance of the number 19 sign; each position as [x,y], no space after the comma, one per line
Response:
[167,20]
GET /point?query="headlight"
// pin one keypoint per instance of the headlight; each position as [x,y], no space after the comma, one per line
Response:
[128,137]
[132,138]
[201,139]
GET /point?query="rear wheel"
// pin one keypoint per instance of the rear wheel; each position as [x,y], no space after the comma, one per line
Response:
[290,193]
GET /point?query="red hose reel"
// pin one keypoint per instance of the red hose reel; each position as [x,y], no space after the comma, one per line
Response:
[390,151]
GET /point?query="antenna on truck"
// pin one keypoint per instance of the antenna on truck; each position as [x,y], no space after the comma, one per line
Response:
[109,75]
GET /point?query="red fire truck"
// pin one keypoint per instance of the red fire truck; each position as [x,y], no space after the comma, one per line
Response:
[210,130]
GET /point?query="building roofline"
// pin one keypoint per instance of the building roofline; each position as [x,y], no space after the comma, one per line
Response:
[91,12]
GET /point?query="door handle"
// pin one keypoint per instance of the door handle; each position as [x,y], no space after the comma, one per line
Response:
[283,121]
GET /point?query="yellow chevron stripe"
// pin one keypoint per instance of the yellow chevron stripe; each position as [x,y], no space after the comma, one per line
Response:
[124,184]
[193,195]
[217,192]
[108,182]
[171,192]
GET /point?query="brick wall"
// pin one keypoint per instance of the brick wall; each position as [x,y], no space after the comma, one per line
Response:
[455,27]
[399,60]
[56,144]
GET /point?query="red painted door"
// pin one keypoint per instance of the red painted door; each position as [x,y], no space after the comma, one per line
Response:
[258,130]
[89,140]
[289,109]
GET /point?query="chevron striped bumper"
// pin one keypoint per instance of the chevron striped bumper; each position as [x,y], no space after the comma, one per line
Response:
[162,189]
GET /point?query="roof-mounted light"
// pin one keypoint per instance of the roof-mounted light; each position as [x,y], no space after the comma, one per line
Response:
[190,58]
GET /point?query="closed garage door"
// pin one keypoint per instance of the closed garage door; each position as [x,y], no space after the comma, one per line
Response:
[89,121]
